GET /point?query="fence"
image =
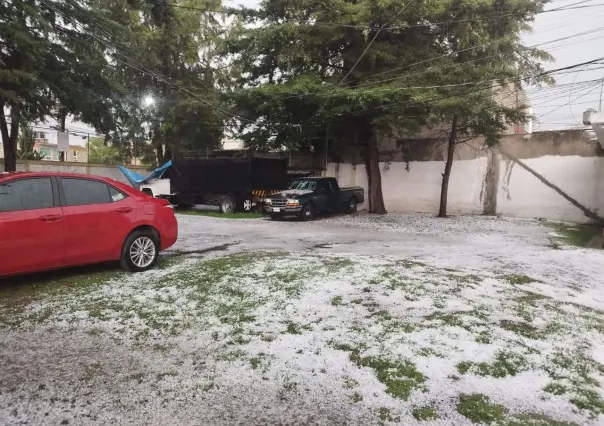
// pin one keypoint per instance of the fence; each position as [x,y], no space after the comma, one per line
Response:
[105,170]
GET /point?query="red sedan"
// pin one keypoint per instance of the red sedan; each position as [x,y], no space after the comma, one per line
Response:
[55,220]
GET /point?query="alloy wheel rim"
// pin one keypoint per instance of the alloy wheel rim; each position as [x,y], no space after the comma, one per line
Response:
[142,252]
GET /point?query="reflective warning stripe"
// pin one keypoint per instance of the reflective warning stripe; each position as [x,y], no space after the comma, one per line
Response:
[264,193]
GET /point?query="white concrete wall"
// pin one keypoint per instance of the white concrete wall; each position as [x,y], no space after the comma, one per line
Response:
[521,194]
[418,190]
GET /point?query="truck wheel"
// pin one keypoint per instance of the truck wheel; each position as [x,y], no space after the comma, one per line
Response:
[308,213]
[351,206]
[227,204]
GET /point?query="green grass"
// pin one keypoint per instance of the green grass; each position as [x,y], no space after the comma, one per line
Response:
[505,364]
[452,320]
[250,215]
[577,371]
[336,301]
[385,415]
[425,413]
[478,409]
[400,377]
[356,397]
[19,292]
[573,235]
[521,328]
[534,419]
[515,279]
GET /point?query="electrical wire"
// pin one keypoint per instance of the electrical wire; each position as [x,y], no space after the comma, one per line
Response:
[371,83]
[335,24]
[250,121]
[409,2]
[150,73]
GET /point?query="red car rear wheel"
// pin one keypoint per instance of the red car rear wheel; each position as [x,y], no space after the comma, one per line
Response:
[141,251]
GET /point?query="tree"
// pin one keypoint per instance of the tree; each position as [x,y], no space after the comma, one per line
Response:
[53,65]
[96,60]
[102,154]
[310,75]
[26,139]
[345,73]
[482,45]
[168,80]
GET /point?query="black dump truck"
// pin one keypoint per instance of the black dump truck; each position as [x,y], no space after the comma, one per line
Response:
[233,184]
[306,197]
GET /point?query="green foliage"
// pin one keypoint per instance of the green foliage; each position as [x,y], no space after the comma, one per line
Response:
[100,153]
[98,60]
[324,76]
[26,140]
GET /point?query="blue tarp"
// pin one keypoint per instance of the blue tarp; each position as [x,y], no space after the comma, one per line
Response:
[135,179]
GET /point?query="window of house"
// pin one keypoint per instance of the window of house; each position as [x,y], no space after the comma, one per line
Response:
[39,135]
[26,194]
[81,192]
[75,155]
[45,153]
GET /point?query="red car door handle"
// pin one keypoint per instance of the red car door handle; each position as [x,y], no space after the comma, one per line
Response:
[124,209]
[51,217]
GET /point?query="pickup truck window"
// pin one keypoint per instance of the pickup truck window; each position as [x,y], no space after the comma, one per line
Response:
[307,185]
[323,186]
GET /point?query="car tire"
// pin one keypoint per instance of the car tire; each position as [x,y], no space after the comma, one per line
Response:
[140,251]
[352,205]
[308,213]
[228,204]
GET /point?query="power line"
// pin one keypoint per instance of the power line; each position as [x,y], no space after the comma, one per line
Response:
[155,75]
[362,56]
[479,88]
[454,65]
[233,11]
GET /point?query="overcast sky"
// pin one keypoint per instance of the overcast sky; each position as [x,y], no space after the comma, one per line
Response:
[553,26]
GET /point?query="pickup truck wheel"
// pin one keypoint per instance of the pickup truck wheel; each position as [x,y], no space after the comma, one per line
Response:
[351,206]
[227,204]
[308,213]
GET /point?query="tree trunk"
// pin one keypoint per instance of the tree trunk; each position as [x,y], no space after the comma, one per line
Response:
[442,212]
[374,178]
[9,139]
[62,154]
[159,149]
[157,144]
[167,154]
[587,212]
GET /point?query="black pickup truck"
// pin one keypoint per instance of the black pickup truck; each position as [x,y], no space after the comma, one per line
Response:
[308,196]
